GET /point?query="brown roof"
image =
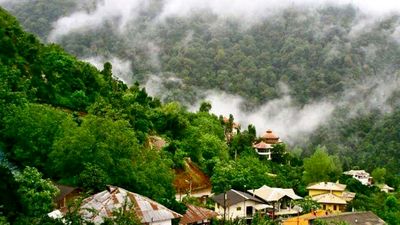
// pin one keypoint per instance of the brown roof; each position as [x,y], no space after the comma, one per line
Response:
[354,218]
[262,145]
[196,214]
[270,137]
[64,191]
[234,125]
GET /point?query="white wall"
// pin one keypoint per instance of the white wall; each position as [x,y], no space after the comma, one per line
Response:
[232,212]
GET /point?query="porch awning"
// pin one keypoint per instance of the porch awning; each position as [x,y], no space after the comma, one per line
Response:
[262,206]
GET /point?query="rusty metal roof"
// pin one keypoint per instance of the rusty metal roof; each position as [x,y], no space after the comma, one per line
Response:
[103,204]
[196,214]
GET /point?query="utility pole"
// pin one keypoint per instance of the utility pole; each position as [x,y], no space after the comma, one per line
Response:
[224,207]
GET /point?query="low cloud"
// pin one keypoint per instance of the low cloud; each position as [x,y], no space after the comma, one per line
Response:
[121,11]
[289,121]
[125,11]
[121,68]
[293,123]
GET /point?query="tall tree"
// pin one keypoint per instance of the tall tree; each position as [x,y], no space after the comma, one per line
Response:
[321,167]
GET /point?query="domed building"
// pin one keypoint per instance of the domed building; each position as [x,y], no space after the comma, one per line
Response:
[265,144]
[270,137]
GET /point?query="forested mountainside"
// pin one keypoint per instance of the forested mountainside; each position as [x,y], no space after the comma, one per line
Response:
[65,120]
[334,54]
[316,52]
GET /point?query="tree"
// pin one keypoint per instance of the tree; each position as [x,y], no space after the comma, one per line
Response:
[36,194]
[30,131]
[93,178]
[279,154]
[246,173]
[321,167]
[205,107]
[379,175]
[307,204]
[9,203]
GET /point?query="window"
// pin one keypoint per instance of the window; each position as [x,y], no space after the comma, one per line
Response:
[239,208]
[324,207]
[334,207]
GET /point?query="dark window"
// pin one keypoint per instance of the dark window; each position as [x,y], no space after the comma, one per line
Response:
[249,210]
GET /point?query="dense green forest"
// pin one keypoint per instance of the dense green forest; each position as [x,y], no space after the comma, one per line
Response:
[331,53]
[65,120]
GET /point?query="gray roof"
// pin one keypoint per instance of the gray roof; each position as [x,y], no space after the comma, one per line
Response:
[354,218]
[233,197]
[106,202]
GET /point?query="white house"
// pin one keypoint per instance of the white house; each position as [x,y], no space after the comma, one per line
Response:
[236,204]
[385,188]
[265,144]
[360,175]
[263,149]
[280,198]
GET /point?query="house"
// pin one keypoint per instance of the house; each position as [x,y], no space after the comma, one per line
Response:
[304,219]
[385,188]
[280,198]
[230,128]
[332,196]
[235,126]
[263,149]
[360,175]
[103,204]
[351,218]
[236,204]
[155,142]
[265,144]
[197,215]
[66,194]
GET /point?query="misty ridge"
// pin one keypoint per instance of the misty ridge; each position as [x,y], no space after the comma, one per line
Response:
[279,65]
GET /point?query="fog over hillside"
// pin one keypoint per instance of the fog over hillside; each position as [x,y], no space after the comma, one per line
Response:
[286,49]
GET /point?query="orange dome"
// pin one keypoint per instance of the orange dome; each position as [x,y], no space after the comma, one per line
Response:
[270,138]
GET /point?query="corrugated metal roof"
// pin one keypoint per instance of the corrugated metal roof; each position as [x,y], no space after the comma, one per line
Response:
[270,194]
[103,204]
[196,214]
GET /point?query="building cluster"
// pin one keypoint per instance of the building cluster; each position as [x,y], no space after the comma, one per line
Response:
[281,204]
[277,203]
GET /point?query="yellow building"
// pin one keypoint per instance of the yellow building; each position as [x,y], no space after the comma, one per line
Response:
[304,219]
[331,196]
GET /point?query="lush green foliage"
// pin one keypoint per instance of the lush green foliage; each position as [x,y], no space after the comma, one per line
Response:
[321,167]
[80,126]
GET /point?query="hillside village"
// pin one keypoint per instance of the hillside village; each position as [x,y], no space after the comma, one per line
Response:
[326,201]
[78,146]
